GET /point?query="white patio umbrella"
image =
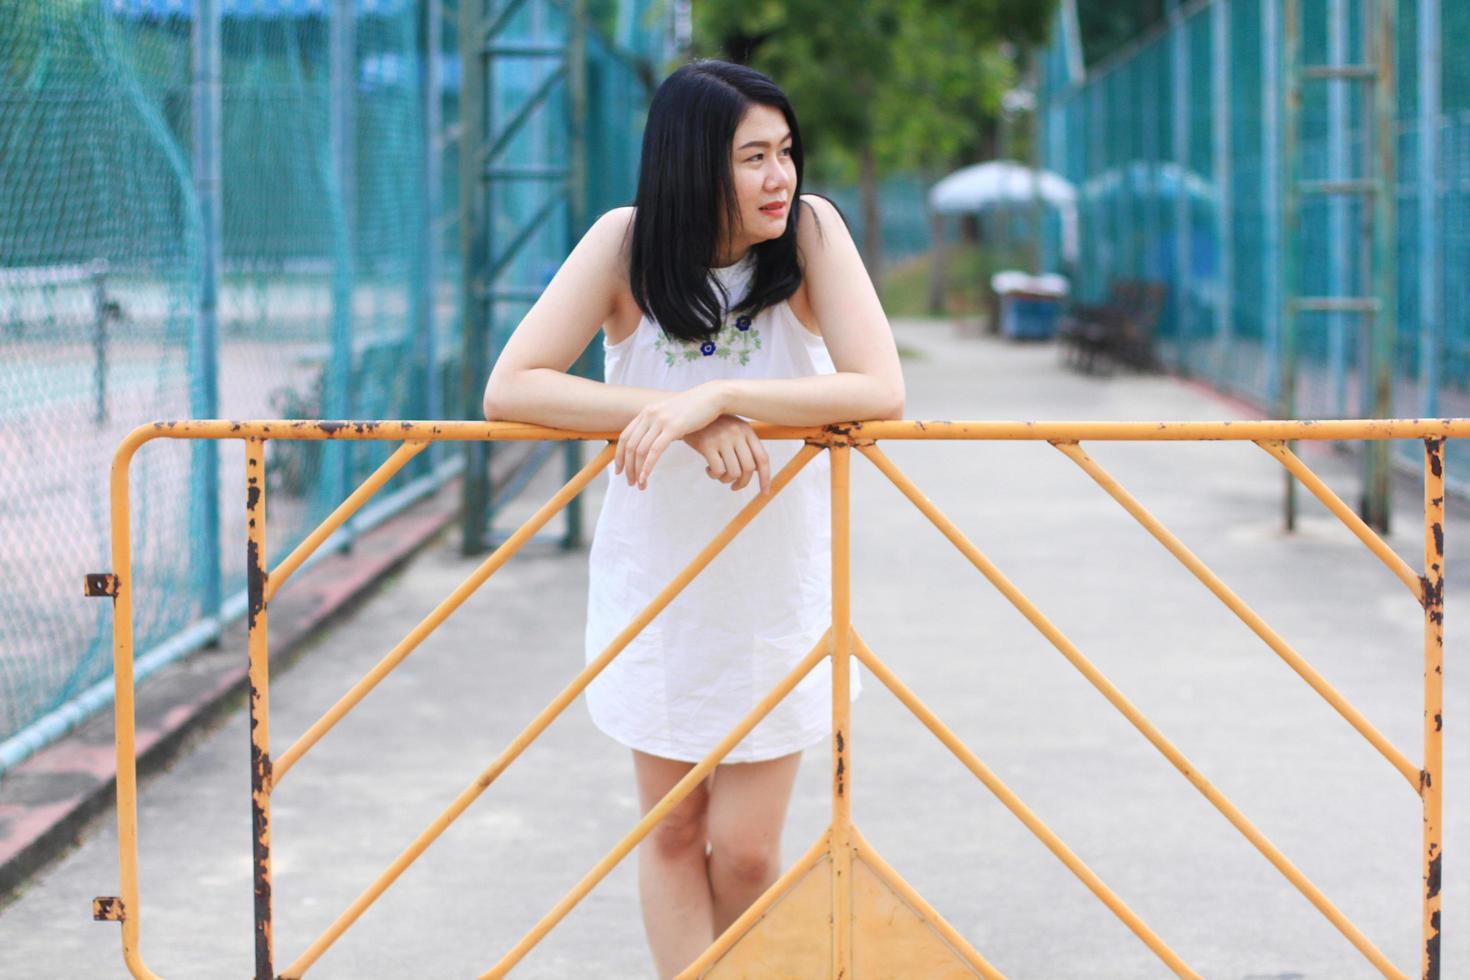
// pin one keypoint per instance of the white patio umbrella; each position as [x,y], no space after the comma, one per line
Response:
[1003,184]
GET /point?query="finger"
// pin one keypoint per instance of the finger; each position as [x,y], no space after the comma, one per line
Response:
[762,461]
[747,466]
[626,442]
[639,458]
[733,469]
[716,467]
[654,453]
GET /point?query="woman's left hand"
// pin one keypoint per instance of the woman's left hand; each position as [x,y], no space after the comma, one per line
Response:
[660,424]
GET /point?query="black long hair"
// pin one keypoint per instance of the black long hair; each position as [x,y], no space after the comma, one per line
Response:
[686,188]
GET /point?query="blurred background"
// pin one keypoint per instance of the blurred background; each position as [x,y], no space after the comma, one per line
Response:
[341,208]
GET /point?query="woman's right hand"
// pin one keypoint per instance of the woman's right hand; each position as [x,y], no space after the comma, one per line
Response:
[733,452]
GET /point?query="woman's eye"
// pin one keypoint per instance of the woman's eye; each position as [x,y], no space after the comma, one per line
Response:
[786,151]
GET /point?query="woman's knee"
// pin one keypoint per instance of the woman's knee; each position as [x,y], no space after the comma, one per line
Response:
[684,829]
[746,858]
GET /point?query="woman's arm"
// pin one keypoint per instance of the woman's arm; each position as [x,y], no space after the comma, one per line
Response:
[529,382]
[869,381]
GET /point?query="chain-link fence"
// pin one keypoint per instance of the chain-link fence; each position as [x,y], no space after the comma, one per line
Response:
[1175,147]
[233,209]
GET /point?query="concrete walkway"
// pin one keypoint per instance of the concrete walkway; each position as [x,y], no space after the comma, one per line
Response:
[1260,735]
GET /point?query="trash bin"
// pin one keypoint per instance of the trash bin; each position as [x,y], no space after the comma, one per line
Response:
[1028,307]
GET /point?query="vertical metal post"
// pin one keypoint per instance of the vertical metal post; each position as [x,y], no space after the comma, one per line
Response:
[337,391]
[204,517]
[100,317]
[577,217]
[474,219]
[1376,490]
[1271,294]
[1286,92]
[1431,260]
[1224,211]
[1104,231]
[841,716]
[1338,237]
[1183,251]
[426,340]
[1431,785]
[259,703]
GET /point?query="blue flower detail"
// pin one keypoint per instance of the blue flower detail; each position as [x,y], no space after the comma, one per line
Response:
[743,323]
[707,348]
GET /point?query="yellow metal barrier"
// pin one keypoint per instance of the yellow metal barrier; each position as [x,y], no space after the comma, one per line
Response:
[839,911]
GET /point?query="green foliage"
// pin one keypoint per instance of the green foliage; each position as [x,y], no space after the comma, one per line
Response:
[912,81]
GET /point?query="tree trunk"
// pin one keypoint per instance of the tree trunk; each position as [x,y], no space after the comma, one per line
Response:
[872,221]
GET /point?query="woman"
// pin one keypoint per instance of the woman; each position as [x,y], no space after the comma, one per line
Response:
[724,295]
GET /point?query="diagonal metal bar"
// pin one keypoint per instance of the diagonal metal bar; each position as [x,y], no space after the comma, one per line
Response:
[522,235]
[1095,677]
[1344,513]
[340,516]
[661,809]
[886,873]
[1013,803]
[523,113]
[502,18]
[441,612]
[747,920]
[555,708]
[1248,616]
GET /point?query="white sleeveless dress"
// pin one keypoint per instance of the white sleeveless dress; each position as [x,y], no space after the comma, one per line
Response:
[741,625]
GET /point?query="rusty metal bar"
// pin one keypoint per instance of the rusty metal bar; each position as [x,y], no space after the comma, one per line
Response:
[342,514]
[550,712]
[441,612]
[851,433]
[1144,726]
[1432,785]
[1344,513]
[814,856]
[123,706]
[1244,612]
[1013,803]
[886,873]
[661,809]
[259,703]
[841,714]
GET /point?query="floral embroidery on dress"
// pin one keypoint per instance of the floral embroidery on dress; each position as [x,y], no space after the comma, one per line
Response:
[737,338]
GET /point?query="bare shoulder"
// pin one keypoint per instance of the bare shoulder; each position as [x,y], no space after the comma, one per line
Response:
[822,227]
[614,234]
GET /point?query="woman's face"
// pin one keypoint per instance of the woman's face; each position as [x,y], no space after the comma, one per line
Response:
[764,175]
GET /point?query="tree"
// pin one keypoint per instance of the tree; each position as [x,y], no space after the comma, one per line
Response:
[880,85]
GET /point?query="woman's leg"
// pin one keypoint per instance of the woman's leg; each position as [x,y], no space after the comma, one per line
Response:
[747,808]
[673,884]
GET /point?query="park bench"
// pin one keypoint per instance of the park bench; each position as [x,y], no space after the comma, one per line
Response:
[1120,331]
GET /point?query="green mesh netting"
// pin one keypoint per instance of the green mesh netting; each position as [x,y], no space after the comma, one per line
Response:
[338,287]
[1170,145]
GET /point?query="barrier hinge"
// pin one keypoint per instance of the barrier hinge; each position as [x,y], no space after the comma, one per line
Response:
[101,585]
[108,908]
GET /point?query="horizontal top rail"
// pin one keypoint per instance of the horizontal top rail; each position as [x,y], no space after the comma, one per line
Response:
[845,433]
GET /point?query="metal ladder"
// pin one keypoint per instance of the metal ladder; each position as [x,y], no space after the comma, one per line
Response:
[1377,166]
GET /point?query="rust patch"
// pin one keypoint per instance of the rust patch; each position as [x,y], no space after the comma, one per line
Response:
[1438,723]
[1425,780]
[1438,530]
[331,428]
[108,908]
[1431,948]
[254,583]
[1433,447]
[1431,883]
